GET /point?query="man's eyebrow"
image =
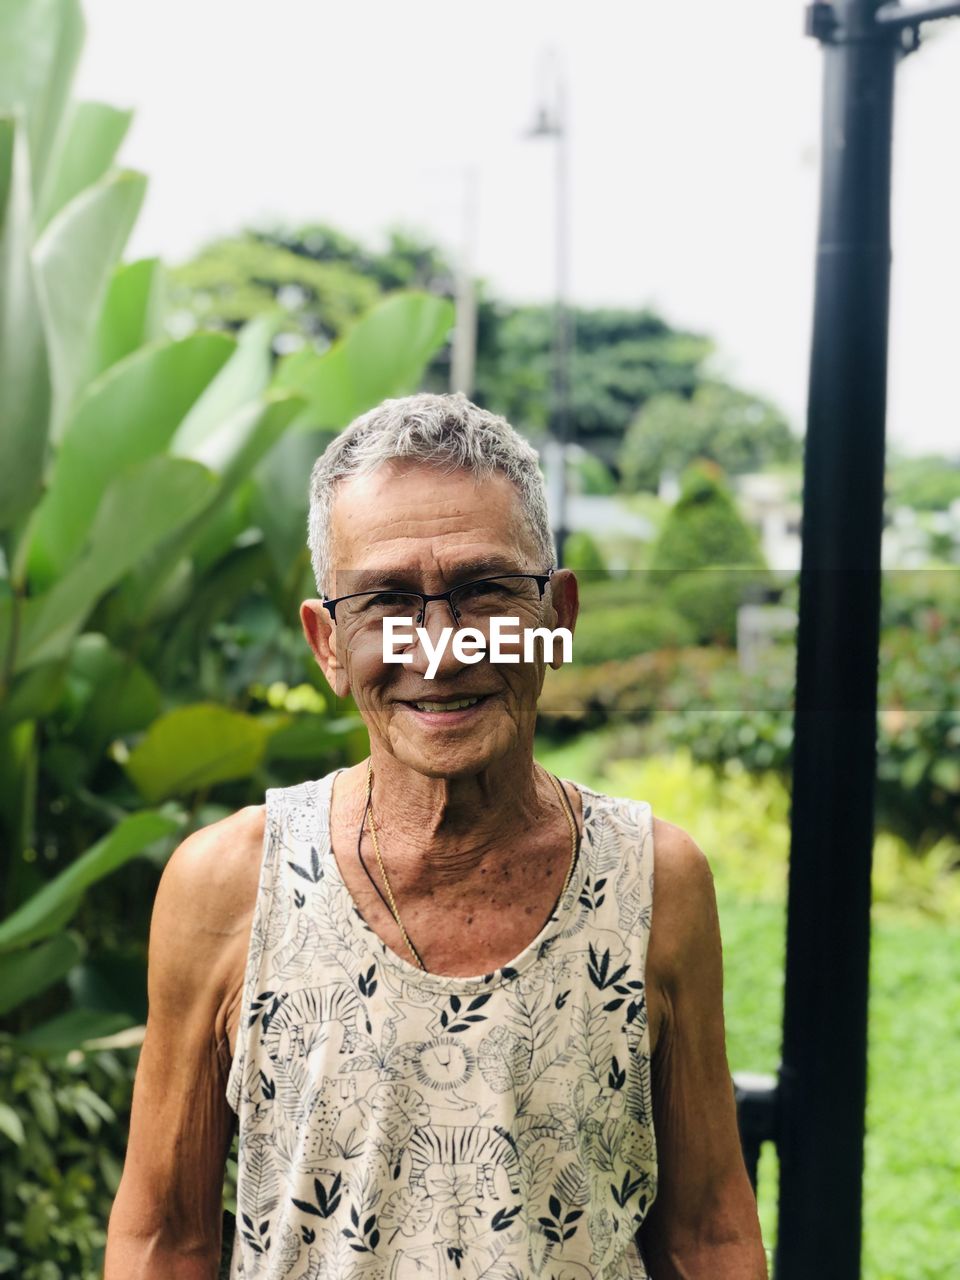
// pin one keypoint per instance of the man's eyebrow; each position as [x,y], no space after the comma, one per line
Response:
[372,579]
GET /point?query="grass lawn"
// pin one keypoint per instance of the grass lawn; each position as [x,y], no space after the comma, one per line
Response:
[912,1176]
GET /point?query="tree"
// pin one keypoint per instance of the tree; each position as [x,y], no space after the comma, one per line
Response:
[320,279]
[739,431]
[620,360]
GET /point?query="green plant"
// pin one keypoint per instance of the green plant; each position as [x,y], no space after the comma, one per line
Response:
[582,554]
[62,1136]
[706,558]
[153,543]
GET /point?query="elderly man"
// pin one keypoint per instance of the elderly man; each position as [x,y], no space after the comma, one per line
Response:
[466,1017]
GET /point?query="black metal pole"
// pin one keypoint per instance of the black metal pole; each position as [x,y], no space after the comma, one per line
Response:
[560,415]
[822,1079]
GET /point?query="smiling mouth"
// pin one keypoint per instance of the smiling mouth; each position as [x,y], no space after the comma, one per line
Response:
[448,704]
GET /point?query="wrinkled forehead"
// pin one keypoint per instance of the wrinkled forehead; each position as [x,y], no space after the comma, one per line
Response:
[425,522]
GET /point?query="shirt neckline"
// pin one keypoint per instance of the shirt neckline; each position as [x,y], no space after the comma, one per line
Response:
[553,927]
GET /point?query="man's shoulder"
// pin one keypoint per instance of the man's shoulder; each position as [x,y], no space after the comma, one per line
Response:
[684,897]
[211,879]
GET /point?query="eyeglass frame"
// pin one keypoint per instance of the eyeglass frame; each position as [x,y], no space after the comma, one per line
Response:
[330,604]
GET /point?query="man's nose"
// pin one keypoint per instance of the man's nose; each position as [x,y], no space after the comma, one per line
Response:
[437,615]
[442,609]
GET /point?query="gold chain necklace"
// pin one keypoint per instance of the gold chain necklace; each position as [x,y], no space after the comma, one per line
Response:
[391,901]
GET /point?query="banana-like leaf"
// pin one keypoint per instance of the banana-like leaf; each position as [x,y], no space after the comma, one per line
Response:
[129,414]
[34,695]
[72,1030]
[142,507]
[195,747]
[25,392]
[74,260]
[40,43]
[232,451]
[12,1127]
[280,497]
[114,980]
[384,354]
[132,314]
[242,380]
[85,150]
[25,973]
[113,693]
[50,907]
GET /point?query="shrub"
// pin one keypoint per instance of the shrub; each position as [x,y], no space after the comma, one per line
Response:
[63,1126]
[622,632]
[582,554]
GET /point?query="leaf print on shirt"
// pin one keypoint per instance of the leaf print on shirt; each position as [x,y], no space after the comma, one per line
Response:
[406,1213]
[298,956]
[504,1059]
[327,1199]
[259,1195]
[313,873]
[459,1015]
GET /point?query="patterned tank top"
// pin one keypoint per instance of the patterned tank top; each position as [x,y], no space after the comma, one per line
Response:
[396,1124]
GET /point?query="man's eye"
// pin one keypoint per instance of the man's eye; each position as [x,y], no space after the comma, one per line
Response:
[388,600]
[478,590]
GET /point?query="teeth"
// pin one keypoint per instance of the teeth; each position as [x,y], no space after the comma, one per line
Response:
[446,706]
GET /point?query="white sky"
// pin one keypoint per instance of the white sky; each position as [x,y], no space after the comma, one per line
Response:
[693,156]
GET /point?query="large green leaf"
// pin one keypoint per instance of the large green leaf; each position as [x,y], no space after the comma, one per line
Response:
[238,443]
[232,451]
[195,747]
[24,373]
[129,414]
[40,42]
[144,505]
[71,1030]
[52,905]
[34,695]
[241,381]
[281,499]
[74,259]
[112,980]
[25,973]
[112,693]
[383,355]
[88,142]
[132,314]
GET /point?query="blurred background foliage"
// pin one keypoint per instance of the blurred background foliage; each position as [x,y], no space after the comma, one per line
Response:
[158,429]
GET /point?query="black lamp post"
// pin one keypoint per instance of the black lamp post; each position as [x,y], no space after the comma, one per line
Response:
[551,122]
[815,1112]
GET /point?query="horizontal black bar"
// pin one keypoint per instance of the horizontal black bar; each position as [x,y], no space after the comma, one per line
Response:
[897,15]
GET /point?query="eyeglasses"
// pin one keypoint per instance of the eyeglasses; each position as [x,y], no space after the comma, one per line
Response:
[471,603]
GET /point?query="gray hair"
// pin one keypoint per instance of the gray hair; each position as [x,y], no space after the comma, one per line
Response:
[436,430]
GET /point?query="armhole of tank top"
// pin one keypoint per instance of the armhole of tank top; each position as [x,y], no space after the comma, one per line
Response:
[251,973]
[647,862]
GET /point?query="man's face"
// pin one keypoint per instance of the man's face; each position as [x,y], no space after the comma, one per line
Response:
[411,525]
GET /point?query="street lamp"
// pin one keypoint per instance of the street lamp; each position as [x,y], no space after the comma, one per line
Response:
[551,122]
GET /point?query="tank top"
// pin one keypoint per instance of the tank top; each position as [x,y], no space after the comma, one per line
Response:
[402,1125]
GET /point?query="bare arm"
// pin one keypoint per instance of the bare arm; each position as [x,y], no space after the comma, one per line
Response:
[703,1223]
[165,1223]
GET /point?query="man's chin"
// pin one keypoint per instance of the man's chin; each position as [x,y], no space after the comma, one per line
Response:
[441,755]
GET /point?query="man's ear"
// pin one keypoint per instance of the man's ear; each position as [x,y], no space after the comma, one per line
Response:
[318,627]
[565,602]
